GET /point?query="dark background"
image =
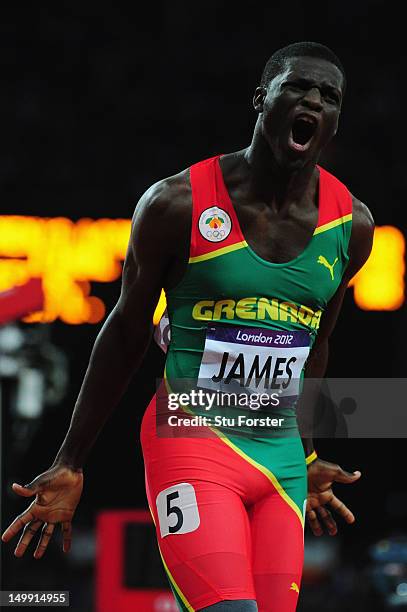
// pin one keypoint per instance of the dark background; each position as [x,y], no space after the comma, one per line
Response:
[97,105]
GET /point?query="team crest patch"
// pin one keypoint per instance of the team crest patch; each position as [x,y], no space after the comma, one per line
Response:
[215,224]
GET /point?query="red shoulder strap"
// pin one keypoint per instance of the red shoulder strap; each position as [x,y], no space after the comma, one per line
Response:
[214,221]
[335,200]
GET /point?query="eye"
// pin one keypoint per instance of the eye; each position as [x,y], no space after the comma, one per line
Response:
[296,86]
[331,96]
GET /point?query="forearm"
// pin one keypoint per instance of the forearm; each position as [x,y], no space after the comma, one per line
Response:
[314,370]
[115,357]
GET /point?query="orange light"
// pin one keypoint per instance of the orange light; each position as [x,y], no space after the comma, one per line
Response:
[68,256]
[379,285]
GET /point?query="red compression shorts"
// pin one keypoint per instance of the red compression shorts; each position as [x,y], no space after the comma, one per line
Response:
[227,527]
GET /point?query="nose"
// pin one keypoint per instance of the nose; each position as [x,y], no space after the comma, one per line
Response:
[312,99]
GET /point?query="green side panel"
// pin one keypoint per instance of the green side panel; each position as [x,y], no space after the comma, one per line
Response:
[284,457]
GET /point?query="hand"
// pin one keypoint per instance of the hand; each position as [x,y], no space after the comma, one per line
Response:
[321,476]
[57,491]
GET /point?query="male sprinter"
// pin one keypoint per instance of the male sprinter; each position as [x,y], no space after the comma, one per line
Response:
[256,244]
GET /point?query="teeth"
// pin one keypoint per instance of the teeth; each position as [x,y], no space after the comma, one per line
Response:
[306,119]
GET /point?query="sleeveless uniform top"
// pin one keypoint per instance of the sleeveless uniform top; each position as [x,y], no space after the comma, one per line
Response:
[238,323]
[240,318]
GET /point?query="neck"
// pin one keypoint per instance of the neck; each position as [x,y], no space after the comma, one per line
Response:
[269,180]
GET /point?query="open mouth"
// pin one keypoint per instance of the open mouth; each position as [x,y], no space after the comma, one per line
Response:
[302,132]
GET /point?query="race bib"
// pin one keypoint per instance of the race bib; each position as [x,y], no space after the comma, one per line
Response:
[253,360]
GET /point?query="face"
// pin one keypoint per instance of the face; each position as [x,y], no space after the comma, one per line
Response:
[300,110]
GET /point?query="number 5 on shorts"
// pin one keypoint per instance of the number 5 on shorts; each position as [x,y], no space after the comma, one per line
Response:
[177,509]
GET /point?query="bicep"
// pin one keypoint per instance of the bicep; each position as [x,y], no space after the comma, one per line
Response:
[146,263]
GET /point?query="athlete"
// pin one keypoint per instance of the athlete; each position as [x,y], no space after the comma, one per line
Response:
[255,250]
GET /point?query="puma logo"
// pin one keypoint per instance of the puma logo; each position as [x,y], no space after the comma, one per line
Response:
[323,260]
[294,587]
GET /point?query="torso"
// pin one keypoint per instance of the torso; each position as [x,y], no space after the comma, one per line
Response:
[271,274]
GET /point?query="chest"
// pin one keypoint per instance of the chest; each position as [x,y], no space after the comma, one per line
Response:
[277,237]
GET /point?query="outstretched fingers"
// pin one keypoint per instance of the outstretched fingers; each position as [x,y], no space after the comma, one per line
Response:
[328,520]
[66,536]
[19,523]
[28,533]
[339,507]
[46,534]
[314,523]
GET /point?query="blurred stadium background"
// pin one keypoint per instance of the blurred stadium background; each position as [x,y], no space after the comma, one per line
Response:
[96,106]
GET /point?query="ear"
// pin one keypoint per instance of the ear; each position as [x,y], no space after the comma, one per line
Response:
[258,98]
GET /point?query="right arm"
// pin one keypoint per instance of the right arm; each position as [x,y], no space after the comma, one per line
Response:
[157,235]
[121,344]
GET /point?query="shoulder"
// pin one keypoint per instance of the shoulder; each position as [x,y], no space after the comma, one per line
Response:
[362,218]
[361,215]
[167,197]
[361,239]
[163,216]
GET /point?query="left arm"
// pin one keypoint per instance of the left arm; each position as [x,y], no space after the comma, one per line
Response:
[322,474]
